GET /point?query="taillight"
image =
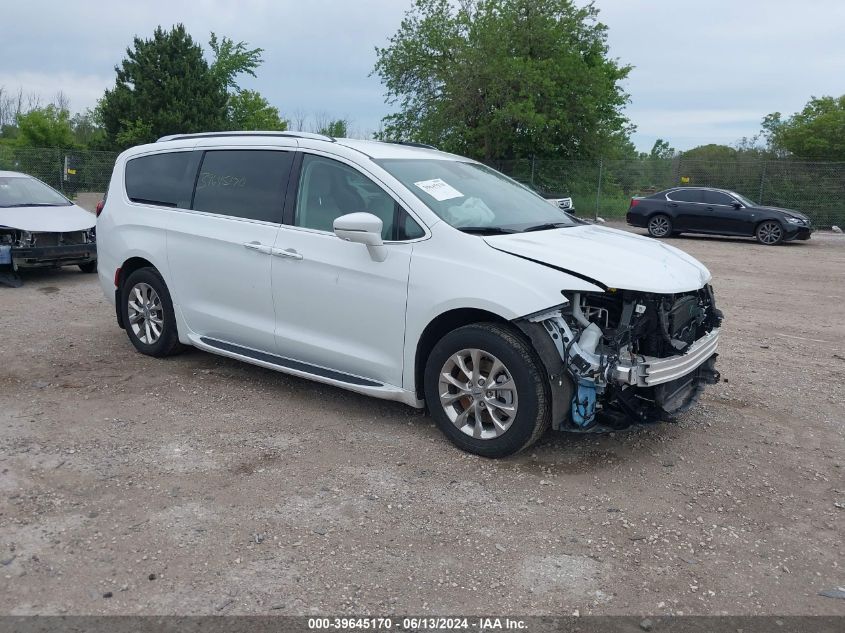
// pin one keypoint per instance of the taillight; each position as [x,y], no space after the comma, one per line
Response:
[99,208]
[634,202]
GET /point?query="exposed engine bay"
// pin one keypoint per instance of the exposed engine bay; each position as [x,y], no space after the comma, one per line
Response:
[624,356]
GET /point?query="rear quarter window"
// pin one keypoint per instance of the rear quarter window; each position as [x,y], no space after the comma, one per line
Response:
[685,195]
[165,179]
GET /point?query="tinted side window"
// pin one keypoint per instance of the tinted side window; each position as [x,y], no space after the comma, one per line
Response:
[243,183]
[165,179]
[717,197]
[329,189]
[685,195]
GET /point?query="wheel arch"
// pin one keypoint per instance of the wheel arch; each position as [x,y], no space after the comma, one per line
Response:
[438,327]
[127,268]
[769,218]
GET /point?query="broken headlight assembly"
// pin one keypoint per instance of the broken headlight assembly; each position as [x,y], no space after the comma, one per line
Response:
[25,239]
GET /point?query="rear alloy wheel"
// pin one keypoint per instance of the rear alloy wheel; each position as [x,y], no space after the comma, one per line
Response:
[148,314]
[487,390]
[660,226]
[769,233]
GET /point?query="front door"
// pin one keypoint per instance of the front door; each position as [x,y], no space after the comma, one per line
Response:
[336,307]
[724,216]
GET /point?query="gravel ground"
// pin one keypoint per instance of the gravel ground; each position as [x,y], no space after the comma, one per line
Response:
[200,485]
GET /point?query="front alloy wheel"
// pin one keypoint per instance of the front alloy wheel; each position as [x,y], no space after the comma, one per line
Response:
[478,394]
[770,233]
[487,389]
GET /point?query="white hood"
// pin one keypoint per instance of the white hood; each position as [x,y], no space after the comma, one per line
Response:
[47,219]
[617,259]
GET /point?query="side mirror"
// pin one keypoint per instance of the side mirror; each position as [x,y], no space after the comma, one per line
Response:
[363,228]
[736,205]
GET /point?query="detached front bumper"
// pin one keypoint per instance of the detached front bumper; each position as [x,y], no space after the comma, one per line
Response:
[649,371]
[45,256]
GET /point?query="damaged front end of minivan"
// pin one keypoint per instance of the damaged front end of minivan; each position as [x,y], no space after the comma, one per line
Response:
[623,357]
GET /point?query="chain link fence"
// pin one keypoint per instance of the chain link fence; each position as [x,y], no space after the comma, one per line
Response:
[69,171]
[598,188]
[604,188]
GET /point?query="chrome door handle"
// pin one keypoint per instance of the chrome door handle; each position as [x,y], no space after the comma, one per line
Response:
[258,246]
[289,253]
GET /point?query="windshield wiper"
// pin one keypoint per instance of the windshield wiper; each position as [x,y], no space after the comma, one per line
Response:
[548,226]
[485,230]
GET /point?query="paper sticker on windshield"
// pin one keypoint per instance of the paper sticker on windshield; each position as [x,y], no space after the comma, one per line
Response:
[438,189]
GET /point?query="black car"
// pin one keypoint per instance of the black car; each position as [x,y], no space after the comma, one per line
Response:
[717,212]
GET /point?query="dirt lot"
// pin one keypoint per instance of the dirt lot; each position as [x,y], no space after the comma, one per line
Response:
[201,485]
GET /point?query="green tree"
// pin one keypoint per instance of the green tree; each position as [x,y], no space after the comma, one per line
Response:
[338,128]
[502,79]
[712,152]
[815,133]
[661,150]
[45,127]
[164,86]
[86,128]
[231,60]
[248,110]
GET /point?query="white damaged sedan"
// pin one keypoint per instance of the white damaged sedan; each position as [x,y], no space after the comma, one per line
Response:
[40,228]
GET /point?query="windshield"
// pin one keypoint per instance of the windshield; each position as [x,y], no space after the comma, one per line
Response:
[472,197]
[23,191]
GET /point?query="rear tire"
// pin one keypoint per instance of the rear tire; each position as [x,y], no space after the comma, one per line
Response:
[660,225]
[147,312]
[488,422]
[89,267]
[769,233]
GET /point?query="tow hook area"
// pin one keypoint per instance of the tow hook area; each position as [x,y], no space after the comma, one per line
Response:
[589,370]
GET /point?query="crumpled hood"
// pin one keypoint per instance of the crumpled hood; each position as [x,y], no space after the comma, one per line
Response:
[616,259]
[47,219]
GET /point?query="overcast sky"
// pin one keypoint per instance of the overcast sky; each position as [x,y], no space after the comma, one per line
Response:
[705,72]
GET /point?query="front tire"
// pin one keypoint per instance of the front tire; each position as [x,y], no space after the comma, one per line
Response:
[459,374]
[769,233]
[147,312]
[660,225]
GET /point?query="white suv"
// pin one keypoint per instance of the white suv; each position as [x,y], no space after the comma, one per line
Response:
[404,273]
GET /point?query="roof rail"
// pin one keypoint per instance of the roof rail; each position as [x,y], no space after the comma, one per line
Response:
[288,134]
[411,144]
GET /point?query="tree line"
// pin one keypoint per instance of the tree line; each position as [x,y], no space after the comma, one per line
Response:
[495,80]
[164,85]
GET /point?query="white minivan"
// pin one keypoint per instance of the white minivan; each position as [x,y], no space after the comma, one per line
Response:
[405,273]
